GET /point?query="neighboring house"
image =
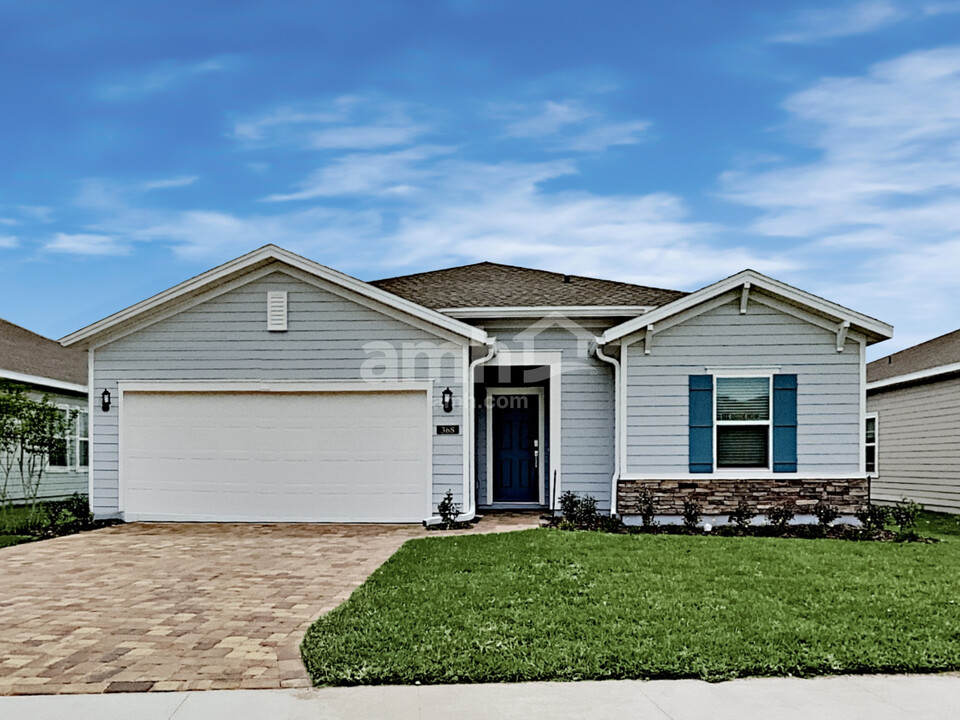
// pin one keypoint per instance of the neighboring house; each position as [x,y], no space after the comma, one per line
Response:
[45,367]
[913,424]
[273,388]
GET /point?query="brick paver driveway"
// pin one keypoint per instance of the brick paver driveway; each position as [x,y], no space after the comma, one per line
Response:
[181,606]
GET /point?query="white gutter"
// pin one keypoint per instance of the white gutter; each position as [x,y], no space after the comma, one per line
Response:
[910,377]
[470,497]
[44,381]
[616,425]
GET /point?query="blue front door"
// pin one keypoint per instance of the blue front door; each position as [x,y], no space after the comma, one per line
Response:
[516,456]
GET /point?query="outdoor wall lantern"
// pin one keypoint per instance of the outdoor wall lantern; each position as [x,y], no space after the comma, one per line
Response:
[447,397]
[105,401]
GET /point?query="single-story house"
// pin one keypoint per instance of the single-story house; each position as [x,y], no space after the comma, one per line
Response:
[912,428]
[45,367]
[273,388]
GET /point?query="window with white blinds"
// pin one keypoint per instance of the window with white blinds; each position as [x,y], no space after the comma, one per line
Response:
[742,422]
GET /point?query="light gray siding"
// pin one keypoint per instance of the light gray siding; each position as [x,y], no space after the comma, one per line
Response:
[56,483]
[587,403]
[918,444]
[828,396]
[329,338]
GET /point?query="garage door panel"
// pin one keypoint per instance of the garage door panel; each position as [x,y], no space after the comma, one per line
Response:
[276,456]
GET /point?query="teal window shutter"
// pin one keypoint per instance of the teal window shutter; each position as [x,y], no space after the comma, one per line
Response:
[701,423]
[784,423]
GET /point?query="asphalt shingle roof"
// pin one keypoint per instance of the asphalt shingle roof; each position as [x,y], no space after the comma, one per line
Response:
[25,352]
[489,284]
[943,350]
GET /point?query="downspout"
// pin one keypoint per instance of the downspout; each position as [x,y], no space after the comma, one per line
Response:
[616,423]
[469,415]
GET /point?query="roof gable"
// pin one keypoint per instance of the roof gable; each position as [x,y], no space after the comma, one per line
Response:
[26,353]
[838,317]
[493,285]
[235,271]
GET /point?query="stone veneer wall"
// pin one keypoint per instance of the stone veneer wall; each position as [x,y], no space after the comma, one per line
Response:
[720,496]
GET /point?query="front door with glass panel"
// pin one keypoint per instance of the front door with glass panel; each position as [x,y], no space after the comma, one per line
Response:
[516,448]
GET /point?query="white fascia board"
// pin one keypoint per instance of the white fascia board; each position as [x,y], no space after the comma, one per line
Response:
[43,381]
[911,377]
[536,311]
[266,254]
[870,326]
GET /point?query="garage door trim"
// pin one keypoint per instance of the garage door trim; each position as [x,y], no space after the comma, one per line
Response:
[274,387]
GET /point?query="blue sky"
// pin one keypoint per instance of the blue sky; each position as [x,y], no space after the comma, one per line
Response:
[665,143]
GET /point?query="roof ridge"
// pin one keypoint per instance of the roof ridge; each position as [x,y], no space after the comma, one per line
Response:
[912,348]
[528,269]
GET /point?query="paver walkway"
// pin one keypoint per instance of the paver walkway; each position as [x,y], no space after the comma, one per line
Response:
[182,606]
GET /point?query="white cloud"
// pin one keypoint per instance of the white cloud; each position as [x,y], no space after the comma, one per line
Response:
[8,221]
[879,201]
[85,244]
[39,213]
[858,18]
[174,182]
[348,122]
[569,126]
[833,22]
[134,85]
[8,241]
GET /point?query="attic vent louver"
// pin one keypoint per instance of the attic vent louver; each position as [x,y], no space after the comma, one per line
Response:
[277,311]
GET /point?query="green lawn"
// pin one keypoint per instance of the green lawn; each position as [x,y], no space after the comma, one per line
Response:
[11,520]
[552,605]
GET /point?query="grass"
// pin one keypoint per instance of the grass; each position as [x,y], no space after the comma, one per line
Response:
[12,520]
[552,605]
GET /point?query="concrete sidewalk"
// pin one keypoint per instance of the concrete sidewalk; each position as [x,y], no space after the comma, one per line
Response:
[877,697]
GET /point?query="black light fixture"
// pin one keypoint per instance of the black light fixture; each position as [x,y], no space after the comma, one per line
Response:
[447,398]
[105,401]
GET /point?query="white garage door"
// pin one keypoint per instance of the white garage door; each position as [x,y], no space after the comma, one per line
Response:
[275,457]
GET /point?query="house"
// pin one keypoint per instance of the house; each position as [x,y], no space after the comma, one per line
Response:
[45,367]
[273,388]
[912,430]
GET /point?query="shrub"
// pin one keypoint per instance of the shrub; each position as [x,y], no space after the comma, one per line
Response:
[448,510]
[68,516]
[566,525]
[647,504]
[692,513]
[825,514]
[781,515]
[581,511]
[742,515]
[873,518]
[609,524]
[905,515]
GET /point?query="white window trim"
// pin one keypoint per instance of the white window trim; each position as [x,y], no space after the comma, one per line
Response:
[743,373]
[876,443]
[76,466]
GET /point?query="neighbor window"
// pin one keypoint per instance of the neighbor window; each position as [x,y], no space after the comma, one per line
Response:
[743,422]
[870,443]
[74,453]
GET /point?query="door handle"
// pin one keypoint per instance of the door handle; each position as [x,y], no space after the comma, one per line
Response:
[536,459]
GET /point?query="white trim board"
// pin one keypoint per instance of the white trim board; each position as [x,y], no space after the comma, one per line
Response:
[554,360]
[914,376]
[43,381]
[498,390]
[742,475]
[258,259]
[874,329]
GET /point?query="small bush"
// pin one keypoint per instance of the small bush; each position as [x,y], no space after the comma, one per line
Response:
[781,515]
[566,525]
[904,515]
[65,517]
[448,510]
[692,513]
[825,514]
[609,524]
[579,510]
[742,515]
[647,504]
[873,518]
